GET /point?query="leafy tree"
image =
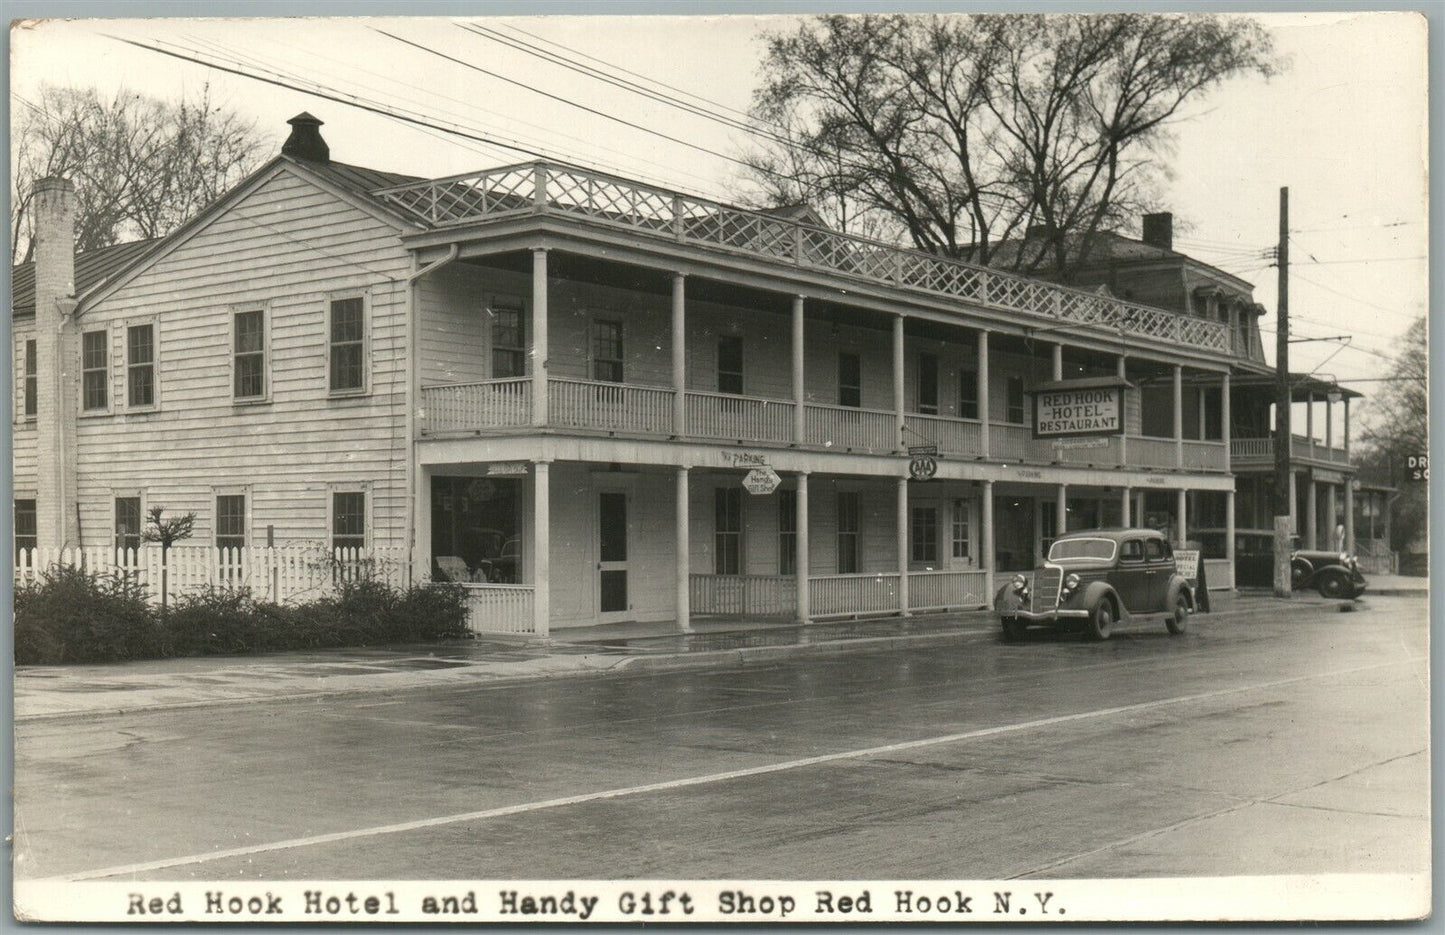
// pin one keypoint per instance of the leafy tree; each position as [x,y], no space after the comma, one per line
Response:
[140,165]
[1397,424]
[959,133]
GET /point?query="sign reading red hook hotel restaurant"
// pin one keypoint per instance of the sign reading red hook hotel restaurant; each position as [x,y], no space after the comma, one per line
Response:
[1079,407]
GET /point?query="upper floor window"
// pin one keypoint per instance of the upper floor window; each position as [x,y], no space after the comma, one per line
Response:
[231,521]
[127,523]
[140,374]
[94,370]
[509,349]
[348,345]
[250,354]
[1016,400]
[967,394]
[348,519]
[730,364]
[607,351]
[32,379]
[928,383]
[850,379]
[26,536]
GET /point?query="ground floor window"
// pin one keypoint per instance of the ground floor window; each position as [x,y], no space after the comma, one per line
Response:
[787,532]
[127,523]
[231,521]
[25,525]
[348,519]
[1048,527]
[476,529]
[923,538]
[728,530]
[847,532]
[961,529]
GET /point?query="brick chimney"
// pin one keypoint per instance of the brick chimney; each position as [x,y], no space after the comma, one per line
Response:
[305,141]
[1159,230]
[57,363]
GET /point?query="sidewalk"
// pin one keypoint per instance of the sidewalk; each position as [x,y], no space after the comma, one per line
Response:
[63,691]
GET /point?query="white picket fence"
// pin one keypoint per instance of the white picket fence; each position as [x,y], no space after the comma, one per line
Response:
[280,575]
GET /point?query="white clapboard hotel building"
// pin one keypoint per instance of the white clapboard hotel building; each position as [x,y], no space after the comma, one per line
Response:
[573,391]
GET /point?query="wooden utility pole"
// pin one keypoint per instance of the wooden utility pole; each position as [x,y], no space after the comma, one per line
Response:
[1282,441]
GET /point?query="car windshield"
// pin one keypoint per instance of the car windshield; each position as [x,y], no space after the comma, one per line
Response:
[1097,550]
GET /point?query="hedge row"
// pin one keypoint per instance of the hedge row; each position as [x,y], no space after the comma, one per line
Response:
[74,615]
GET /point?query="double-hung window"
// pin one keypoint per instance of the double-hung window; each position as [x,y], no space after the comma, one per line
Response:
[728,530]
[348,345]
[231,521]
[923,538]
[509,350]
[32,379]
[348,519]
[730,364]
[928,383]
[607,351]
[850,379]
[249,348]
[94,370]
[847,532]
[26,536]
[967,394]
[787,532]
[127,523]
[1016,400]
[960,529]
[140,373]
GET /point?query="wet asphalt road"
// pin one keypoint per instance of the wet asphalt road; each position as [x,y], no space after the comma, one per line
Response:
[1260,746]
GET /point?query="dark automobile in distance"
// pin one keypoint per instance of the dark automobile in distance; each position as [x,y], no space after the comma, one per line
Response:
[1095,578]
[1335,575]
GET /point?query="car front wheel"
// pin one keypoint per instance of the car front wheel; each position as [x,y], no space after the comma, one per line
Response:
[1101,620]
[1179,620]
[1334,587]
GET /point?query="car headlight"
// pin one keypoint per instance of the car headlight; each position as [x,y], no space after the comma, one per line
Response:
[1344,558]
[1071,582]
[1019,583]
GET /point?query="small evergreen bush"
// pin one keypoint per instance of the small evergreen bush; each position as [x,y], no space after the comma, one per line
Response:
[76,615]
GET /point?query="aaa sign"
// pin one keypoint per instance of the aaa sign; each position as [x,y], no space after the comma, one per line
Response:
[761,480]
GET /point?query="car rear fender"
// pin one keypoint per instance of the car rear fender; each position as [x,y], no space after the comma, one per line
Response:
[1095,591]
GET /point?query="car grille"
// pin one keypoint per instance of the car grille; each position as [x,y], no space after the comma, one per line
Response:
[1046,588]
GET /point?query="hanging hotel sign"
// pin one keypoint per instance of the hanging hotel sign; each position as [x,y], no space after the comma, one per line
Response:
[1079,407]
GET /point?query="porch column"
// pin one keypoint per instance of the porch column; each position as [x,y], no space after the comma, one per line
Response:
[898,382]
[1331,514]
[1058,361]
[679,354]
[983,396]
[1293,504]
[539,335]
[541,548]
[1329,424]
[1229,533]
[1312,529]
[1123,415]
[801,565]
[903,546]
[1178,416]
[1310,423]
[1061,511]
[1350,515]
[1224,417]
[684,556]
[986,533]
[1347,425]
[1181,507]
[1125,503]
[800,415]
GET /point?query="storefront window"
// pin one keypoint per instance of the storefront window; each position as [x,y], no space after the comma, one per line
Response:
[477,529]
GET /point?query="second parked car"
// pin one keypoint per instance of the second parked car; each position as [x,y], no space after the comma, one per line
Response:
[1093,579]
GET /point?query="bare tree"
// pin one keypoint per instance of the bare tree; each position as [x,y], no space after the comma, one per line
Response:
[967,132]
[167,532]
[1397,424]
[141,166]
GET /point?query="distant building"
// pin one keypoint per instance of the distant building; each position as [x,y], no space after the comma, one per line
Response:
[551,383]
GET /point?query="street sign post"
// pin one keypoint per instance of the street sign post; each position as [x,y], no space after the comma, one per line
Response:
[763,480]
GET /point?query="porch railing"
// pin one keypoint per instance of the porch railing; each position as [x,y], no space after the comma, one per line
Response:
[1152,452]
[842,595]
[743,595]
[843,428]
[613,407]
[945,590]
[598,198]
[1205,456]
[1262,449]
[457,407]
[499,608]
[746,418]
[952,436]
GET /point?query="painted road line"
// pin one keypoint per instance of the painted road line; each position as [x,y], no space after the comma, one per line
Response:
[672,784]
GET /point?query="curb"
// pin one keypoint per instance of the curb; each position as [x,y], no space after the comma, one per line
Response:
[631,665]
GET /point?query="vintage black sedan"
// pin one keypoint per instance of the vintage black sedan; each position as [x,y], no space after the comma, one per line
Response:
[1335,575]
[1095,578]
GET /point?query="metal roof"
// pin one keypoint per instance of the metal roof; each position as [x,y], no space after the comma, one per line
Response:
[91,269]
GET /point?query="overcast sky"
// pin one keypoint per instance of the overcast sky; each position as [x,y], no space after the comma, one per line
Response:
[1343,126]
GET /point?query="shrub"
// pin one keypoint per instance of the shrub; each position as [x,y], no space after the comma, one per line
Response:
[77,615]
